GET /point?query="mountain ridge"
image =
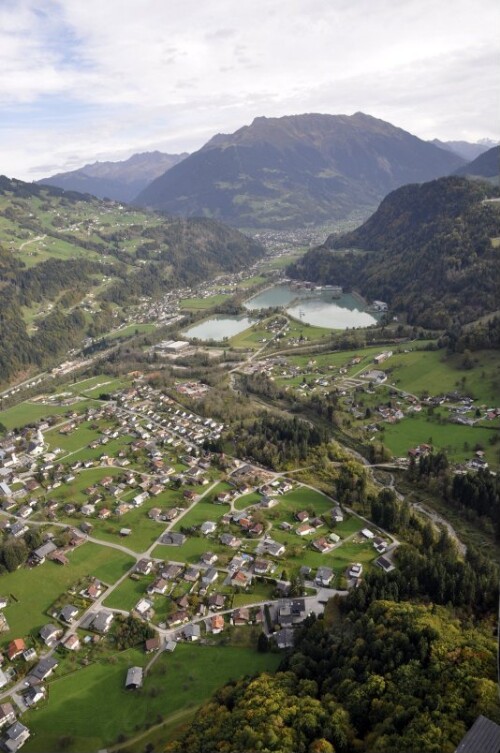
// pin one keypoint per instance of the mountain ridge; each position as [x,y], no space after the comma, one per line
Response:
[427,251]
[296,170]
[121,180]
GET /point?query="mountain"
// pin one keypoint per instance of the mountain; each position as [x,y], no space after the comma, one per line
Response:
[121,181]
[427,251]
[487,165]
[296,171]
[66,257]
[465,149]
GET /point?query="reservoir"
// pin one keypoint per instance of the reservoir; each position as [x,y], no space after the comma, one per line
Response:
[318,307]
[219,327]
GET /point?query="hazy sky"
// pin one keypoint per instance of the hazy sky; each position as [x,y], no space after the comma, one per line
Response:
[82,80]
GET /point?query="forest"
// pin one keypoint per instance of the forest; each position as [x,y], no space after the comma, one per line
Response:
[427,251]
[397,678]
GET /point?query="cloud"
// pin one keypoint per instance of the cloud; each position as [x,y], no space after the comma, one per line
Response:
[92,78]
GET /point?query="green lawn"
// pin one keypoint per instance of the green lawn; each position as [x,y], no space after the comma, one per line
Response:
[435,372]
[131,330]
[246,500]
[27,413]
[199,304]
[36,589]
[91,706]
[129,592]
[201,512]
[458,441]
[191,550]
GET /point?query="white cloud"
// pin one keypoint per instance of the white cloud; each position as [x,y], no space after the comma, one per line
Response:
[102,77]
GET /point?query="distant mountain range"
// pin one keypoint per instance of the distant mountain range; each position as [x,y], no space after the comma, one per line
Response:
[427,251]
[121,181]
[487,165]
[469,151]
[296,171]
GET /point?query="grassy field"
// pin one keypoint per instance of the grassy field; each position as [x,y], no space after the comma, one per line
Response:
[435,373]
[129,592]
[36,589]
[458,441]
[131,330]
[201,512]
[190,551]
[252,337]
[199,304]
[178,682]
[256,280]
[27,413]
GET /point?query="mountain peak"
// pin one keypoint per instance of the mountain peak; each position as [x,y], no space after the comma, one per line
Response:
[297,170]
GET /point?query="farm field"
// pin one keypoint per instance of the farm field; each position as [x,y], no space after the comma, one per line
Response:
[178,682]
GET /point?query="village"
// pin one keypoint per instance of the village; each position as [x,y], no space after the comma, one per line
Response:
[212,541]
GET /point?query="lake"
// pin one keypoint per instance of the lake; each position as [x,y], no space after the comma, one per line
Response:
[219,327]
[316,307]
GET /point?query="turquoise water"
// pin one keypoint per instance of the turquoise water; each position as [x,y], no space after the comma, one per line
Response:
[316,307]
[219,327]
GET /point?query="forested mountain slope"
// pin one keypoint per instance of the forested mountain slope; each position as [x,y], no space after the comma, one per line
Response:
[297,170]
[65,258]
[429,251]
[400,677]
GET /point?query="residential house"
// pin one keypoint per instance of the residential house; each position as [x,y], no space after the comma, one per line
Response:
[216,601]
[229,540]
[209,577]
[101,623]
[68,613]
[49,634]
[144,567]
[337,515]
[43,669]
[15,737]
[323,545]
[191,632]
[159,586]
[241,616]
[208,558]
[208,527]
[152,644]
[261,566]
[192,574]
[171,538]
[34,694]
[217,623]
[305,529]
[324,576]
[16,648]
[7,714]
[379,544]
[72,643]
[171,572]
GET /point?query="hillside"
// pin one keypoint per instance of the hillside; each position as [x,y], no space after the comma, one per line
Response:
[69,263]
[427,251]
[121,181]
[297,170]
[401,677]
[487,165]
[465,149]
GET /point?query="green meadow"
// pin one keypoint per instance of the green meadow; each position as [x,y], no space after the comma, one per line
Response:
[81,713]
